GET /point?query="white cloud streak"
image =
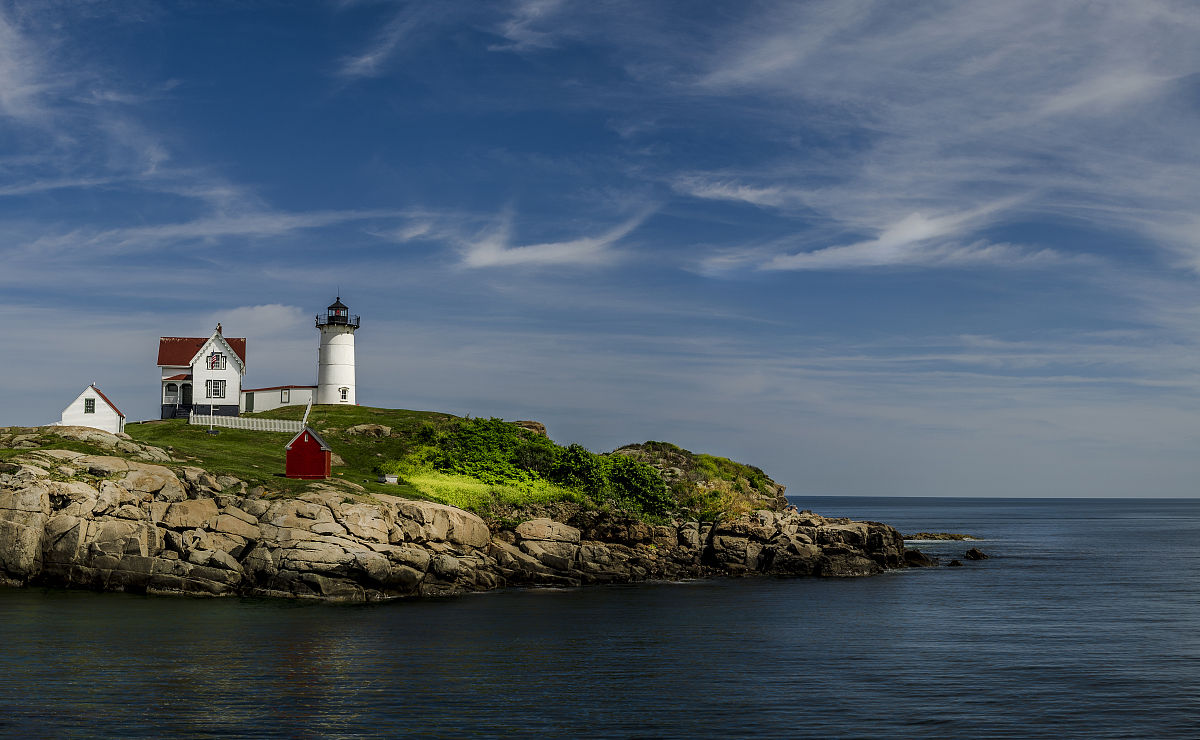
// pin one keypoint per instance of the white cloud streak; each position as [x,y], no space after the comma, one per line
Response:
[256,225]
[494,248]
[526,27]
[404,29]
[22,78]
[915,240]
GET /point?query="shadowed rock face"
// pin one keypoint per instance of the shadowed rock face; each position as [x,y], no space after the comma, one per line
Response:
[99,522]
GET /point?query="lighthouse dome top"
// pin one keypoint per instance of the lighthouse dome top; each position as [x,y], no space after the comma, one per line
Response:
[337,313]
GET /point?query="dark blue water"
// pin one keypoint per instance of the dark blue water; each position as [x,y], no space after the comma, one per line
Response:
[1085,623]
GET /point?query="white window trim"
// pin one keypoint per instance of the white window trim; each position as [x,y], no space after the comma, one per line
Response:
[89,405]
[214,388]
[345,392]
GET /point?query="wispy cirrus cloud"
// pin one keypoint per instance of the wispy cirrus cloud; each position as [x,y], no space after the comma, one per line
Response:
[918,240]
[251,225]
[495,247]
[717,188]
[527,26]
[23,78]
[875,112]
[405,28]
[62,183]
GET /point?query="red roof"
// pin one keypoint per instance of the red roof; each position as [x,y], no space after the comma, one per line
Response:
[180,350]
[110,403]
[181,376]
[312,433]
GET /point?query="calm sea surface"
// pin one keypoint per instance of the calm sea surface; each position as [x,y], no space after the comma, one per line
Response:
[1085,623]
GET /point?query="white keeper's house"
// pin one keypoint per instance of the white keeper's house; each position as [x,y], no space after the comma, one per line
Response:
[199,374]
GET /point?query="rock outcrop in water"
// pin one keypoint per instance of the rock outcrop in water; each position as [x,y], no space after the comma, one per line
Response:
[112,523]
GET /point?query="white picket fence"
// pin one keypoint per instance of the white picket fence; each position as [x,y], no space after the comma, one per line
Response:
[239,422]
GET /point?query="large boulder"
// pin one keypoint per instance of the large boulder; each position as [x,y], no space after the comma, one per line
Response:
[364,521]
[191,514]
[23,516]
[425,521]
[227,523]
[370,430]
[154,480]
[547,530]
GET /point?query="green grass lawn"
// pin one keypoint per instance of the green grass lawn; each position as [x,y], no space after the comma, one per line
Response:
[258,457]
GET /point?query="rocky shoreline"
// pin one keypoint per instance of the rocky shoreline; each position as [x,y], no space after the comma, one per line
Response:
[111,523]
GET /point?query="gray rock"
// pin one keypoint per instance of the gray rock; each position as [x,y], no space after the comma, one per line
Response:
[547,530]
[557,555]
[369,430]
[229,524]
[190,514]
[444,566]
[364,521]
[222,559]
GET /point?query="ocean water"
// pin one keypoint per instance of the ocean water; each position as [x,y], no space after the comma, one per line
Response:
[1085,623]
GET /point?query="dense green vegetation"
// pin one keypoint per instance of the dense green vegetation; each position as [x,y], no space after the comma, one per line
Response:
[706,486]
[524,467]
[722,468]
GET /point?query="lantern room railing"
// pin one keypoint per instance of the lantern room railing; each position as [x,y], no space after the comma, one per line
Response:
[337,321]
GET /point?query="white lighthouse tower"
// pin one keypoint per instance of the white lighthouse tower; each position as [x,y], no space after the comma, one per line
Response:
[335,360]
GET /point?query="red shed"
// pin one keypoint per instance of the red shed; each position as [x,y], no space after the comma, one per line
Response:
[308,456]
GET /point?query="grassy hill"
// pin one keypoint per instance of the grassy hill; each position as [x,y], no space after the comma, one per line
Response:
[477,464]
[258,457]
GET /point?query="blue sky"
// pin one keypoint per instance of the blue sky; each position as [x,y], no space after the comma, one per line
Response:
[874,248]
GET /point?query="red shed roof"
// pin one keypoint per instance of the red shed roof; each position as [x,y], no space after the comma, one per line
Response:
[180,350]
[316,438]
[112,405]
[181,376]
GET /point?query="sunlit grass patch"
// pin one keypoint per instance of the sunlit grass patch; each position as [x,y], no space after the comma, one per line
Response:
[472,494]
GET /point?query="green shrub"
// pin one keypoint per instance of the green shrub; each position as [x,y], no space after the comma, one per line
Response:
[512,463]
[579,468]
[638,486]
[722,468]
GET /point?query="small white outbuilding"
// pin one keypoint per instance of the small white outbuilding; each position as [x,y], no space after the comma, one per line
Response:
[93,409]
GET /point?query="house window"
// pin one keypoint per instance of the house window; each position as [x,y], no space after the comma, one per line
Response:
[345,393]
[214,388]
[285,396]
[172,393]
[89,405]
[216,361]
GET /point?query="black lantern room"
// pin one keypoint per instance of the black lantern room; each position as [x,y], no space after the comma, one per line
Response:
[338,312]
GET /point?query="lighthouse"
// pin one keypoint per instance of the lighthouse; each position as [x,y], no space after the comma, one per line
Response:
[335,359]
